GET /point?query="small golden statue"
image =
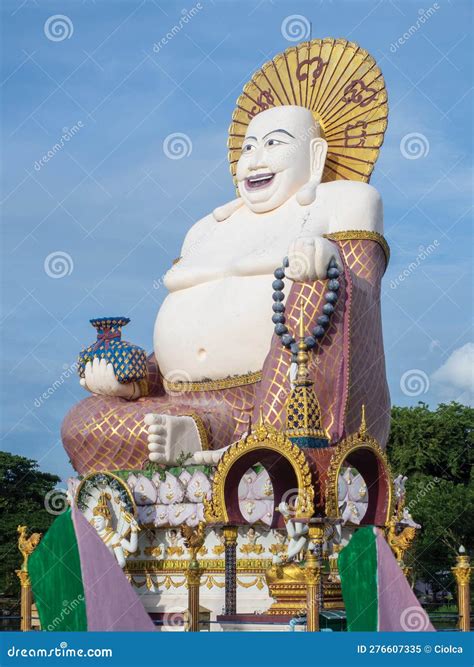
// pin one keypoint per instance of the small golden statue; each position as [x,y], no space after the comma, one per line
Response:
[173,548]
[219,549]
[193,539]
[401,529]
[252,547]
[27,545]
[279,548]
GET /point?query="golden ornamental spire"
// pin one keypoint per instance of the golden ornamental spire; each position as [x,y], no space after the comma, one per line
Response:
[303,415]
[302,358]
[363,424]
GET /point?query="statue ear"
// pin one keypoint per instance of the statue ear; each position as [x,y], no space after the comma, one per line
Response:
[318,150]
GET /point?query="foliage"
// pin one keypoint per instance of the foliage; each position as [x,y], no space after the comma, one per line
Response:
[22,501]
[434,450]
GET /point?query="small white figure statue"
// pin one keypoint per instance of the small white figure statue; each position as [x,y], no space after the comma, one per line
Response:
[174,543]
[297,532]
[408,520]
[115,540]
[399,483]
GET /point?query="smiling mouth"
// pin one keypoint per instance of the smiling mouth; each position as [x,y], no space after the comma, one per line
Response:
[259,181]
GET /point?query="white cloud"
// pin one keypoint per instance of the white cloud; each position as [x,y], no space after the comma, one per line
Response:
[454,380]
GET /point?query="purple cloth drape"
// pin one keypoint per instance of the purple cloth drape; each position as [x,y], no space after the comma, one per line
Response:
[111,602]
[399,610]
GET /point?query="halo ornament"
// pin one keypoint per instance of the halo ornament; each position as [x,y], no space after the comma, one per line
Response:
[344,89]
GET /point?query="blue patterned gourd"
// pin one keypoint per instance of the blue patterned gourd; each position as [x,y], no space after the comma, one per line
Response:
[129,361]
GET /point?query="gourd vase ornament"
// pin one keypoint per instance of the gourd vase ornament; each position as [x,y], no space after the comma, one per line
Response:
[129,361]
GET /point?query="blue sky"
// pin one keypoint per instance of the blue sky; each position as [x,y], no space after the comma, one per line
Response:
[117,207]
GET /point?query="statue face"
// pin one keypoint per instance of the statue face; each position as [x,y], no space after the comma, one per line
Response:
[99,522]
[281,152]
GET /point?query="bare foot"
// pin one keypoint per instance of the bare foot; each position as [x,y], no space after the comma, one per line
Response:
[170,437]
[209,456]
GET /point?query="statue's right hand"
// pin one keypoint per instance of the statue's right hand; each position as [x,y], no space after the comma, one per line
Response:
[309,258]
[301,258]
[99,378]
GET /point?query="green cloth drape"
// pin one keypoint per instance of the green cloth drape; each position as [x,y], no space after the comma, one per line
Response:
[55,573]
[357,564]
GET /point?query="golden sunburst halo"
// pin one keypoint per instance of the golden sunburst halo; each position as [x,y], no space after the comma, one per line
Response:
[344,89]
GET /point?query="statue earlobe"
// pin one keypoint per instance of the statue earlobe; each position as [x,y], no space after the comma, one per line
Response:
[223,212]
[307,194]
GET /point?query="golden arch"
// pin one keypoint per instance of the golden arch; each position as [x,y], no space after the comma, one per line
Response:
[263,440]
[377,475]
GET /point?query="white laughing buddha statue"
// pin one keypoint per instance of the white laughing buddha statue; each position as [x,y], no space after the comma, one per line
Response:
[213,334]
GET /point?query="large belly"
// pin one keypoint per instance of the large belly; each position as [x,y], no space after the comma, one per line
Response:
[215,330]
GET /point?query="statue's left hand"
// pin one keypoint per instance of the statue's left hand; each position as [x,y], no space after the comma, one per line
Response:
[309,258]
[99,378]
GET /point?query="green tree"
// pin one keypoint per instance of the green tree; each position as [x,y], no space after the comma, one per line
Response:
[433,448]
[23,488]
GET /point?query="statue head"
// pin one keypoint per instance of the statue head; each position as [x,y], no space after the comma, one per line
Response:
[283,154]
[101,516]
[100,522]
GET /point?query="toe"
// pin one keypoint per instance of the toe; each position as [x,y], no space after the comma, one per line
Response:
[156,429]
[156,447]
[157,438]
[156,458]
[216,456]
[150,418]
[198,458]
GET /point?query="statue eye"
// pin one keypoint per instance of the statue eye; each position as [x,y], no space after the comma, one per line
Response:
[248,148]
[273,142]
